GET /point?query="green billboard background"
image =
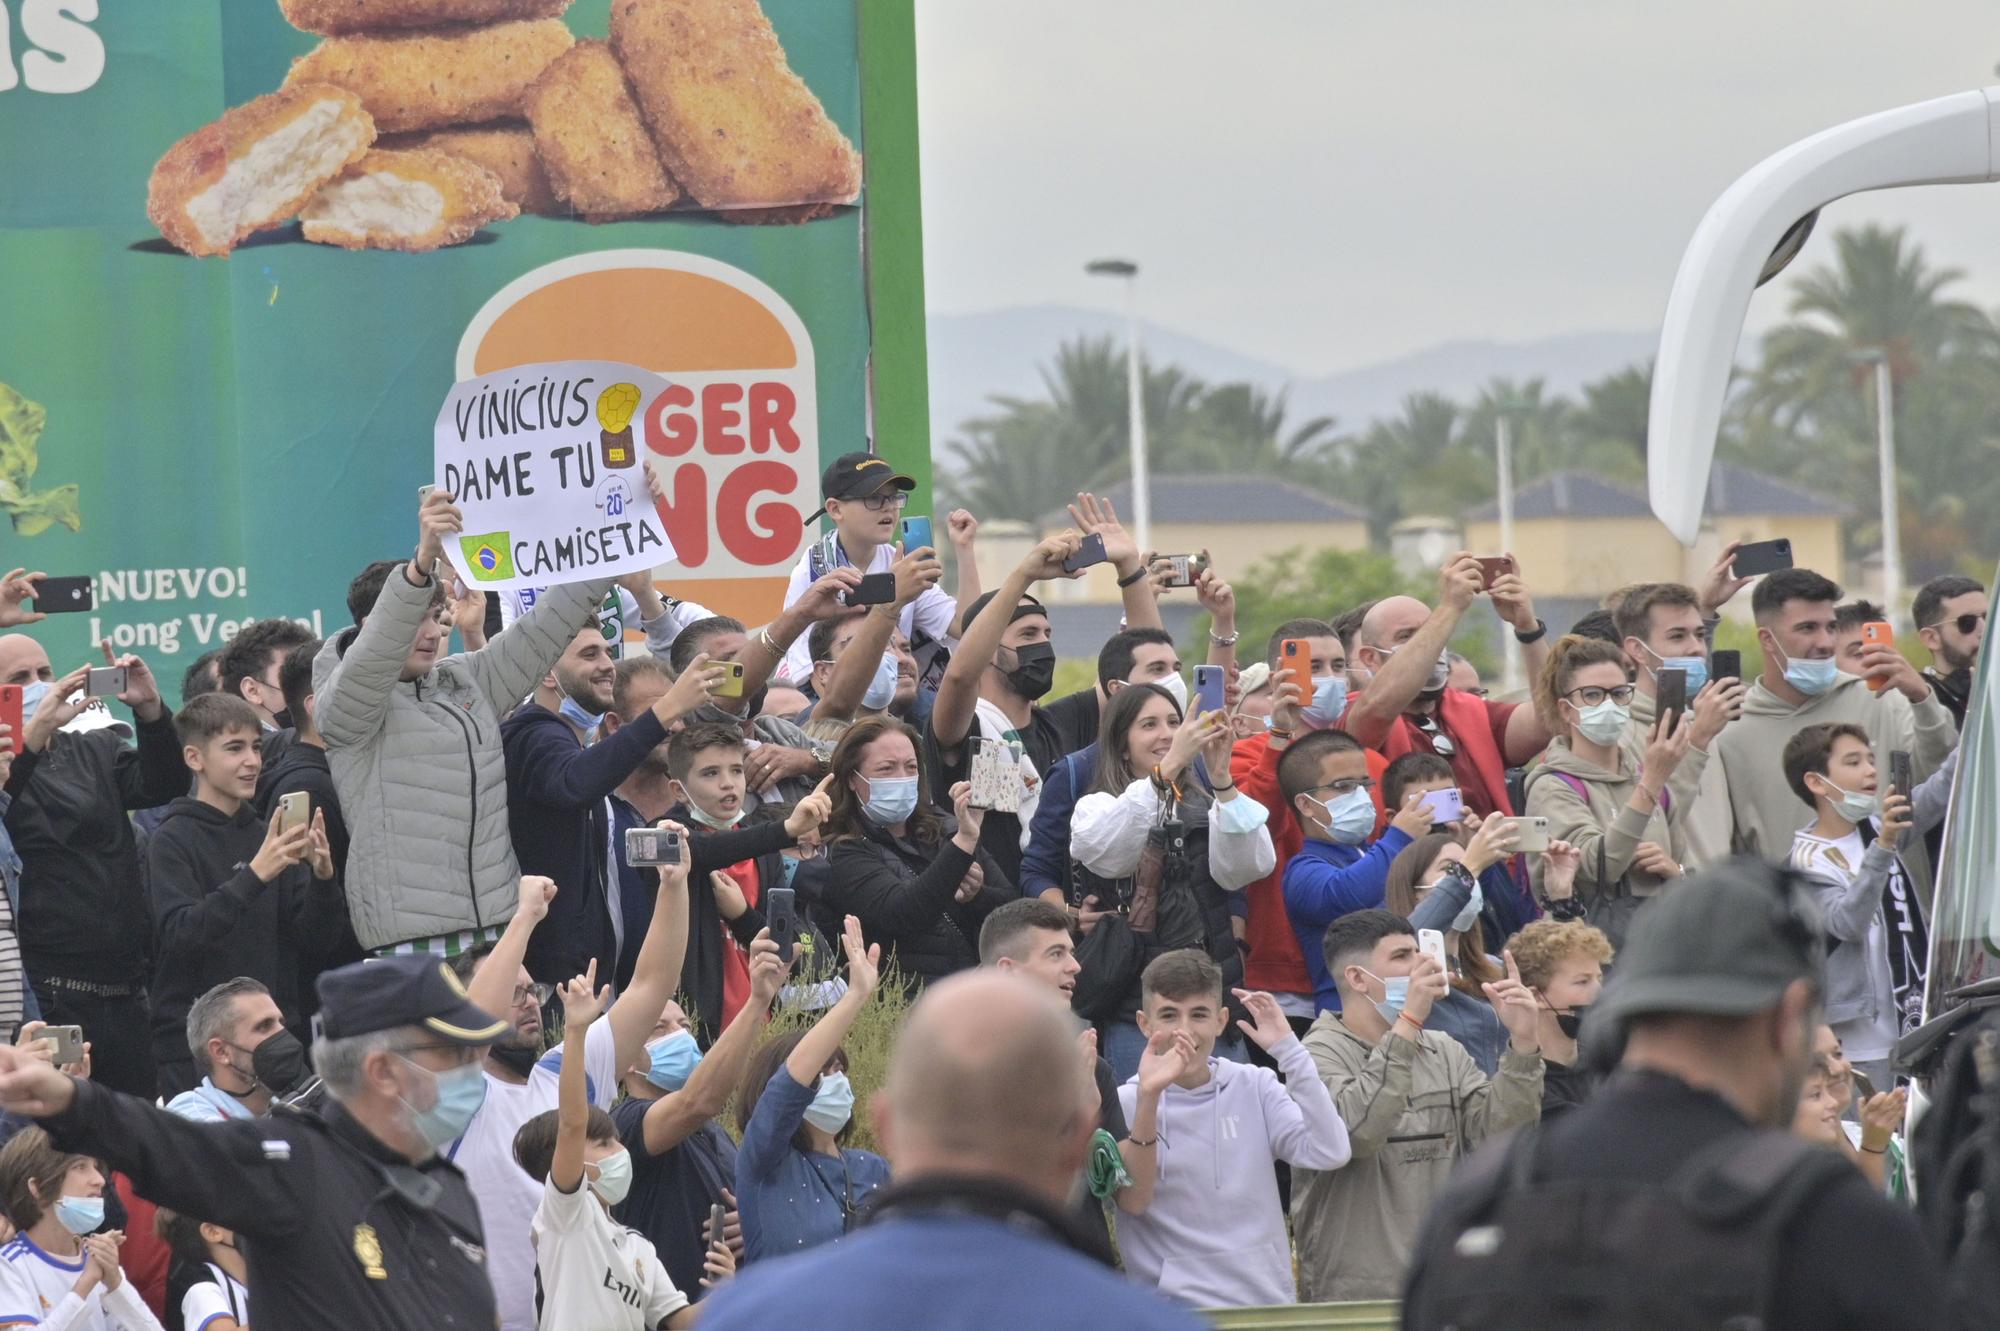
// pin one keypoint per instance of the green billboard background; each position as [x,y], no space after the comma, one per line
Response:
[246,433]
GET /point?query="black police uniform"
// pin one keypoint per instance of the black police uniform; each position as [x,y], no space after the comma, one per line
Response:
[340,1232]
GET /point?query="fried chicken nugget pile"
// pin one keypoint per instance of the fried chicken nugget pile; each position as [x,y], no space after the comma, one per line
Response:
[491,108]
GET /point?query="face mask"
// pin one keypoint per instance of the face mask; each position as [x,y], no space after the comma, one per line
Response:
[1464,919]
[282,720]
[460,1093]
[715,714]
[614,1178]
[1350,818]
[891,800]
[674,1060]
[1696,667]
[1440,674]
[1395,992]
[1034,672]
[519,1059]
[882,688]
[709,820]
[80,1215]
[280,1062]
[1854,806]
[31,698]
[578,715]
[1176,688]
[1811,678]
[833,1105]
[1604,723]
[1570,1022]
[1329,701]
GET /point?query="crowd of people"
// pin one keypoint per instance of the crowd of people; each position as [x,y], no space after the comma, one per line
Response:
[385,1023]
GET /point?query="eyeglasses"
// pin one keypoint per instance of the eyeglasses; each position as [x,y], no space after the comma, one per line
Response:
[538,991]
[1346,785]
[1590,695]
[881,499]
[1966,624]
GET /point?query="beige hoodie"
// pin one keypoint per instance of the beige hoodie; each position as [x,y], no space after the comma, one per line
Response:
[1607,816]
[1705,822]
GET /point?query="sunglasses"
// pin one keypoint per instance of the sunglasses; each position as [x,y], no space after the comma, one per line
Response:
[1966,624]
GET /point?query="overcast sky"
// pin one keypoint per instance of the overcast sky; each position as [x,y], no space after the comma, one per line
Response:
[1329,183]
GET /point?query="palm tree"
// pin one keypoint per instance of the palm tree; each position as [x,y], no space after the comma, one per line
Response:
[1615,410]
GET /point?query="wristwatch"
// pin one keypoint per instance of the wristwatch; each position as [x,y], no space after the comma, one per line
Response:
[1540,631]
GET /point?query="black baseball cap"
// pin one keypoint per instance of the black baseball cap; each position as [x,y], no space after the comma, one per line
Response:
[1724,943]
[857,475]
[387,992]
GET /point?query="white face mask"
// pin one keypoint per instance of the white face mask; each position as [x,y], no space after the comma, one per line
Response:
[1175,686]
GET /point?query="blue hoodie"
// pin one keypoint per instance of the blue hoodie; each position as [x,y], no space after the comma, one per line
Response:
[1325,881]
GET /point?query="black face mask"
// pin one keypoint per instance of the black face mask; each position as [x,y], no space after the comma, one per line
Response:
[1570,1022]
[283,720]
[517,1059]
[1034,672]
[280,1062]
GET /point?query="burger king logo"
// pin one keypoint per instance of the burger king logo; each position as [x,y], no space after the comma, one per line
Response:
[733,439]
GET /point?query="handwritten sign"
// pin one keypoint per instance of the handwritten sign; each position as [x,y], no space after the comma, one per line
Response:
[549,474]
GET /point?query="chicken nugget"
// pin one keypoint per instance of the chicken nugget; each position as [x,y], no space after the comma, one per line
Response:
[339,18]
[256,166]
[414,199]
[599,157]
[506,148]
[426,80]
[734,125]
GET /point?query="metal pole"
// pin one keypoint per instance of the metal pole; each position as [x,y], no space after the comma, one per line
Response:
[1135,388]
[1892,527]
[1503,448]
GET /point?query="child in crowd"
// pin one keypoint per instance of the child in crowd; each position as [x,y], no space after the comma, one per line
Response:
[1878,942]
[1505,904]
[1872,1120]
[1214,1232]
[1324,777]
[232,894]
[206,1285]
[58,1264]
[591,1271]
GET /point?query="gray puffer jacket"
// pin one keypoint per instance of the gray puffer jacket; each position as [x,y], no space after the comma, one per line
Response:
[419,766]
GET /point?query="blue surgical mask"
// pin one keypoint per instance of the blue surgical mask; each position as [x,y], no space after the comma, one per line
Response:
[891,800]
[578,715]
[1329,702]
[614,1178]
[31,698]
[1695,666]
[1350,818]
[1395,992]
[1811,678]
[833,1104]
[460,1093]
[674,1059]
[1465,918]
[80,1215]
[882,689]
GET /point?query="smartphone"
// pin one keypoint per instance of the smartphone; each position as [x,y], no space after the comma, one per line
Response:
[1725,665]
[10,715]
[293,810]
[423,493]
[1671,694]
[1182,570]
[1491,567]
[1446,806]
[1760,557]
[105,682]
[68,1042]
[1878,634]
[1431,943]
[1091,553]
[1534,838]
[64,596]
[995,776]
[1900,775]
[732,680]
[1296,655]
[1211,684]
[875,589]
[653,847]
[781,915]
[718,1220]
[917,535]
[1865,1087]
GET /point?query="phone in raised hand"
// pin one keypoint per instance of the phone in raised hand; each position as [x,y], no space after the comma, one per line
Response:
[1092,552]
[1900,775]
[781,915]
[1671,694]
[293,810]
[1431,943]
[917,535]
[1211,687]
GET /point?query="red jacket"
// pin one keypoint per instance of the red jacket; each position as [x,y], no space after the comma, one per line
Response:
[1469,723]
[1274,962]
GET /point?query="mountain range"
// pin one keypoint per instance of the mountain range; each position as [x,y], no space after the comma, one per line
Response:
[975,356]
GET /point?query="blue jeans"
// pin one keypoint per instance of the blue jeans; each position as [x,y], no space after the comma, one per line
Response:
[1122,1047]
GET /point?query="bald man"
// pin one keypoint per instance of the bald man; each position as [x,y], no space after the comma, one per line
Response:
[986,1117]
[1409,705]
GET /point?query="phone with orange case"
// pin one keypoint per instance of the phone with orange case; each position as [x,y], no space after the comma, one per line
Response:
[1296,655]
[1878,634]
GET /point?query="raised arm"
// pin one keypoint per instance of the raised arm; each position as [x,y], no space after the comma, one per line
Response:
[1219,599]
[582,1004]
[677,1115]
[1401,677]
[819,1043]
[505,669]
[963,531]
[657,971]
[1305,1128]
[352,689]
[916,572]
[1098,516]
[766,648]
[492,985]
[958,691]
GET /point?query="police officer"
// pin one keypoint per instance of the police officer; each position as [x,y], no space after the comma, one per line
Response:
[350,1219]
[1677,1198]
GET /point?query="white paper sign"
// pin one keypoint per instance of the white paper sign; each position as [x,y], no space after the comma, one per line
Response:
[547,465]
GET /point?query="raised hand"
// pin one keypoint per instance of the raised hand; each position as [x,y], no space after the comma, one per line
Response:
[1511,599]
[1196,729]
[282,847]
[60,706]
[536,894]
[1168,1056]
[1460,581]
[1719,702]
[1890,669]
[1092,514]
[821,600]
[1896,817]
[141,692]
[1721,583]
[811,813]
[29,1086]
[1492,841]
[18,586]
[1560,863]
[971,818]
[864,965]
[768,764]
[1666,748]
[1218,598]
[675,875]
[1267,1025]
[1290,689]
[1882,1117]
[1514,1003]
[438,519]
[962,528]
[466,606]
[917,571]
[320,851]
[583,1002]
[696,685]
[1428,983]
[1221,746]
[767,969]
[1414,818]
[1044,562]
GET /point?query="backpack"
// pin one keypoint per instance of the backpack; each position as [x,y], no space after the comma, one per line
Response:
[1957,1154]
[1514,1250]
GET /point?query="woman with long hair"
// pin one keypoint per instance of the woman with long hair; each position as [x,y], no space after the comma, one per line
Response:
[1463,1013]
[918,882]
[1154,767]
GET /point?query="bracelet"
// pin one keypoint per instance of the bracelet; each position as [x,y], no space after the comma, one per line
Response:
[1215,789]
[1221,641]
[1540,631]
[1870,1150]
[1414,1024]
[1279,732]
[764,636]
[1135,577]
[1153,1140]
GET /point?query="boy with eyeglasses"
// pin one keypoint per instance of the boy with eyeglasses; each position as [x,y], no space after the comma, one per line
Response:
[1325,781]
[862,496]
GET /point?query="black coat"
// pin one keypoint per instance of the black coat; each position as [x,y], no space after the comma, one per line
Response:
[1193,912]
[903,895]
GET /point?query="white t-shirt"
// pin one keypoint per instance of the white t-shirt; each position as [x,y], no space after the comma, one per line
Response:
[596,1273]
[207,1301]
[932,611]
[1862,1039]
[37,1288]
[507,1196]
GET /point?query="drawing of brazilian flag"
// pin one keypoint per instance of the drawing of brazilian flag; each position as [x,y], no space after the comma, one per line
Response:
[490,557]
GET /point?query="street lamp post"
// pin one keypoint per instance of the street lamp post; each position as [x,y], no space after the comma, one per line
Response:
[1885,456]
[1142,494]
[1503,457]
